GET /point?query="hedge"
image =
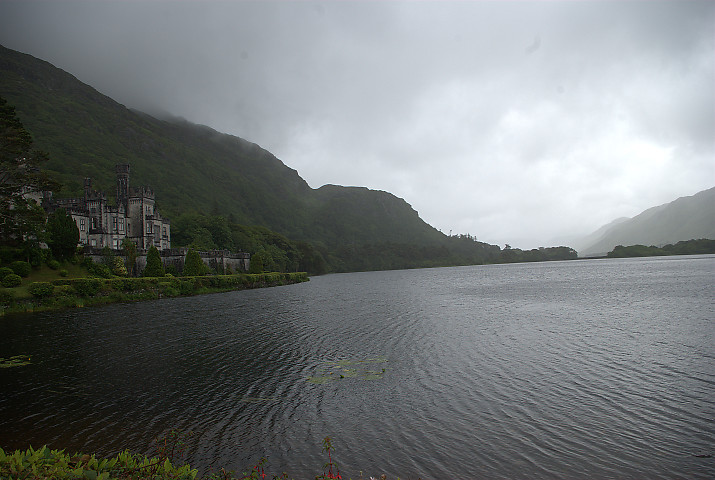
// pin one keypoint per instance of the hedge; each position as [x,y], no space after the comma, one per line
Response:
[11,280]
[21,268]
[5,271]
[41,289]
[67,293]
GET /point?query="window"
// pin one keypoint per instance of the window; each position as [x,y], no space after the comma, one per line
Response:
[121,225]
[148,228]
[114,224]
[82,225]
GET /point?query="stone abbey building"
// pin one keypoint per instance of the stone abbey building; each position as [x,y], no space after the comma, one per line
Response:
[134,216]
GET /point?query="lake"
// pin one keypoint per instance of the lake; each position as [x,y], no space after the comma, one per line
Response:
[584,369]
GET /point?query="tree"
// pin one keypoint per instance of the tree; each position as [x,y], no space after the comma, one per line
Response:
[20,180]
[257,262]
[193,265]
[62,234]
[153,268]
[130,251]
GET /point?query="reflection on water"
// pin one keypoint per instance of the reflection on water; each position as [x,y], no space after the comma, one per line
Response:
[588,369]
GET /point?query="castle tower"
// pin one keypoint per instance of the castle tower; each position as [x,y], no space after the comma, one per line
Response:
[87,188]
[122,184]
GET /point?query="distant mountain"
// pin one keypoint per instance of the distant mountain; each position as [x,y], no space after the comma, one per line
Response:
[195,168]
[686,218]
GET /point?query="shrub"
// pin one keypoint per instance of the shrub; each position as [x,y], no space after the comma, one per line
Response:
[100,270]
[64,273]
[193,265]
[118,267]
[6,298]
[5,271]
[21,268]
[186,287]
[87,287]
[11,280]
[153,268]
[53,264]
[64,290]
[41,289]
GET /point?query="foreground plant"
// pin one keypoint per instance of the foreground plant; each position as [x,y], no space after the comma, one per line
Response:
[328,447]
[44,464]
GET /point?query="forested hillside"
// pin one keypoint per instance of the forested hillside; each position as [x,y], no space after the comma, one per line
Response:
[198,173]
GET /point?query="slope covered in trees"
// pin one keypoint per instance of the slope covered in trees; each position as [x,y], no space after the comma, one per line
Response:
[220,190]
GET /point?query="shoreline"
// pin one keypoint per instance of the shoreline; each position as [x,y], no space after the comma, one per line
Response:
[64,294]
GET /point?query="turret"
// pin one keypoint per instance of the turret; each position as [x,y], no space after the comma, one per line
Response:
[87,187]
[122,184]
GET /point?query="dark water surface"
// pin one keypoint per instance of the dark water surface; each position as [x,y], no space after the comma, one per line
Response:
[583,369]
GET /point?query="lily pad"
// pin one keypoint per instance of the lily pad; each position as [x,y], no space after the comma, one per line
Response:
[348,368]
[15,361]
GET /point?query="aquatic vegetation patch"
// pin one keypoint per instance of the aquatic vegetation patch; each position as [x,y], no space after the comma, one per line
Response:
[365,369]
[15,361]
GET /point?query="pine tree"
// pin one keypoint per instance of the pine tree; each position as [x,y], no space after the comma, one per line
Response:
[153,268]
[62,233]
[20,175]
[193,265]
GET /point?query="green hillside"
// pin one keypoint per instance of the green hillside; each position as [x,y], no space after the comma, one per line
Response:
[195,170]
[190,167]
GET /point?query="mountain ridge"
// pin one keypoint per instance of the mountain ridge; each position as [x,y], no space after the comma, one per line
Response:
[193,167]
[685,218]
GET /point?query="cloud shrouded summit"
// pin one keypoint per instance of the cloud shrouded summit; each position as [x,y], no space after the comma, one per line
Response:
[516,122]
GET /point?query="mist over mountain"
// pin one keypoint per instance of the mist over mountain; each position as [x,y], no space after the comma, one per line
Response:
[195,168]
[683,219]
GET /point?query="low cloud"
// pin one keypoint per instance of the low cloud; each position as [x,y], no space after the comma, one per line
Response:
[518,123]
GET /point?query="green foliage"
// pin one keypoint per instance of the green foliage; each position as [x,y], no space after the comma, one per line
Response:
[688,247]
[45,463]
[256,265]
[41,289]
[5,271]
[153,268]
[87,287]
[53,264]
[130,252]
[11,281]
[63,234]
[21,268]
[20,215]
[538,255]
[118,268]
[64,273]
[6,297]
[193,265]
[96,269]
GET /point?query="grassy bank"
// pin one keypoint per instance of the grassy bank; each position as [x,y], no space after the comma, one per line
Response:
[60,293]
[166,464]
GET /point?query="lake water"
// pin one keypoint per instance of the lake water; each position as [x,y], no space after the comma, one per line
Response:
[582,369]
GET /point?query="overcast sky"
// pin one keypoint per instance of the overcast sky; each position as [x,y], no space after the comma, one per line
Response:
[517,122]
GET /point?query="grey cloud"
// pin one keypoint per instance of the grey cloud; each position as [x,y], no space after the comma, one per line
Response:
[515,122]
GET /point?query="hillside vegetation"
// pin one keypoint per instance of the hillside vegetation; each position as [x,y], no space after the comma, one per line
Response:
[199,174]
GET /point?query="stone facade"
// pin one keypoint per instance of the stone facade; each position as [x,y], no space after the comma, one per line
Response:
[103,225]
[220,261]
